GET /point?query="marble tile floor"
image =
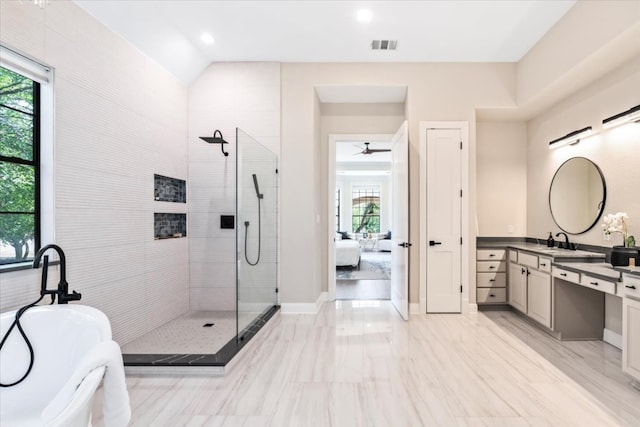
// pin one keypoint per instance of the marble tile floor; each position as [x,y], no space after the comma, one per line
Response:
[356,363]
[363,289]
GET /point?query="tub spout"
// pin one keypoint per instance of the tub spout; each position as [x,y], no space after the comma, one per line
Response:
[63,287]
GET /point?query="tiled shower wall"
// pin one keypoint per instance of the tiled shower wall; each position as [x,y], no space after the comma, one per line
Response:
[225,96]
[119,119]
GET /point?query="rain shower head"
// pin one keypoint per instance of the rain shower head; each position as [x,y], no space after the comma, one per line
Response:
[216,139]
[255,184]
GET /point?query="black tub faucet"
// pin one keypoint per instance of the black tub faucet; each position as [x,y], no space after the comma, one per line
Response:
[63,287]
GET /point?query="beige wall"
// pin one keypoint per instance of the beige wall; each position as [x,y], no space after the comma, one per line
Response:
[615,151]
[435,92]
[594,37]
[119,118]
[501,178]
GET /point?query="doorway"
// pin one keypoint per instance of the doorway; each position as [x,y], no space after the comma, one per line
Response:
[360,200]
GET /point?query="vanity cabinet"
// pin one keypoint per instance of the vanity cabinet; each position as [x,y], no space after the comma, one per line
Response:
[631,327]
[491,276]
[518,287]
[530,286]
[539,297]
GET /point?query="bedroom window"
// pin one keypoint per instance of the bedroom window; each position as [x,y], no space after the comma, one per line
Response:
[23,87]
[365,210]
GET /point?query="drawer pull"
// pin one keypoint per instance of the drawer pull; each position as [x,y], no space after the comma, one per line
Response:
[563,274]
[491,267]
[493,280]
[594,283]
[523,271]
[630,286]
[543,264]
[492,295]
[492,255]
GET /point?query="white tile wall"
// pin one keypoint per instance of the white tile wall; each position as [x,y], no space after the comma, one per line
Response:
[119,119]
[225,96]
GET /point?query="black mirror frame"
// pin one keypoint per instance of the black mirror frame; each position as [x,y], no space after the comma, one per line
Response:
[602,203]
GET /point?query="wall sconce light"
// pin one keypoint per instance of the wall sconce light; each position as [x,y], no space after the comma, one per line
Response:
[216,139]
[570,138]
[631,115]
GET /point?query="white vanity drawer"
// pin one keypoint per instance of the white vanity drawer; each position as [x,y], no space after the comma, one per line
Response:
[598,284]
[630,286]
[491,280]
[491,266]
[513,255]
[528,260]
[544,264]
[491,295]
[490,254]
[569,276]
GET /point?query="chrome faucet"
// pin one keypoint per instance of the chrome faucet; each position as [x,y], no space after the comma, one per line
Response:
[63,287]
[566,244]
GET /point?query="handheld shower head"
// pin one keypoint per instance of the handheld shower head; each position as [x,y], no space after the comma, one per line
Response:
[255,184]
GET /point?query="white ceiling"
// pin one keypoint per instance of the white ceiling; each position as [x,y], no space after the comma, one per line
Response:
[326,31]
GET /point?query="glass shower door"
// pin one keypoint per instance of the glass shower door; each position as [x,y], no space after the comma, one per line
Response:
[256,230]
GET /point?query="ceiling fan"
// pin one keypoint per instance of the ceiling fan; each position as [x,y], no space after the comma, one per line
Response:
[367,150]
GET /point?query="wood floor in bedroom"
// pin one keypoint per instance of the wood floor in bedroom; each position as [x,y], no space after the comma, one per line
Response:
[356,363]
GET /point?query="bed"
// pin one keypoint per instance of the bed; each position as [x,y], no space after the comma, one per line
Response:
[347,253]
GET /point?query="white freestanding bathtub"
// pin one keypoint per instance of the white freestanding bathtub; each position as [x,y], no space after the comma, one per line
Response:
[63,337]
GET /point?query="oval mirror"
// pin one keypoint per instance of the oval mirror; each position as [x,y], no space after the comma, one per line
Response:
[577,195]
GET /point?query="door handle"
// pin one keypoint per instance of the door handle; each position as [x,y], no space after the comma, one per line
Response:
[433,243]
[404,244]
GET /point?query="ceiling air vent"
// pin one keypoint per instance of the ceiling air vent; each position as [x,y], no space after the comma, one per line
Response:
[384,44]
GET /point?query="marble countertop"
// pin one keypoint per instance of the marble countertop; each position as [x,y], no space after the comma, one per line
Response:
[555,253]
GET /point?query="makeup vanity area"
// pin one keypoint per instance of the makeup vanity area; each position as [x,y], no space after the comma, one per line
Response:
[564,291]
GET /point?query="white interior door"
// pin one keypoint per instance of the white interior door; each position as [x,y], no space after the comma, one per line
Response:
[400,221]
[444,285]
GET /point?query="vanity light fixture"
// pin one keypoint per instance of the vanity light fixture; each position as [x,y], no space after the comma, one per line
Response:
[631,115]
[216,139]
[570,138]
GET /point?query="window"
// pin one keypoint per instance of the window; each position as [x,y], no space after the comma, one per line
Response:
[19,167]
[23,87]
[365,210]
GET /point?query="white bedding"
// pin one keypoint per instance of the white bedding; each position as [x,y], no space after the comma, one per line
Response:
[347,253]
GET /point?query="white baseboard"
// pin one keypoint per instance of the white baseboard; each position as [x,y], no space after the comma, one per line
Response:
[612,338]
[304,307]
[472,309]
[414,308]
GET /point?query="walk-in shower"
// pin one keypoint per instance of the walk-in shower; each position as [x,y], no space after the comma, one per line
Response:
[230,300]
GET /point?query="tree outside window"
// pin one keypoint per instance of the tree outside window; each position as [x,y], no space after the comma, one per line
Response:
[19,164]
[365,210]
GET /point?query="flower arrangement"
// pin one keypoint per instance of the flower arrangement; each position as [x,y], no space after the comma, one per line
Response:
[617,223]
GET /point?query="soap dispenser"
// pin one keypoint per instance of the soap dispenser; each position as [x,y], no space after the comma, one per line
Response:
[550,242]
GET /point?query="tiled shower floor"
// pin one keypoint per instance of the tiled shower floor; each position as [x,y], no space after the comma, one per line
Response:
[187,335]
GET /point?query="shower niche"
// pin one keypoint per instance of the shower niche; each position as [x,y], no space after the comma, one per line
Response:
[167,189]
[169,225]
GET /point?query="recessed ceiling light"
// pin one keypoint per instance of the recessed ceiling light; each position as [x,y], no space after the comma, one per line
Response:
[207,38]
[364,15]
